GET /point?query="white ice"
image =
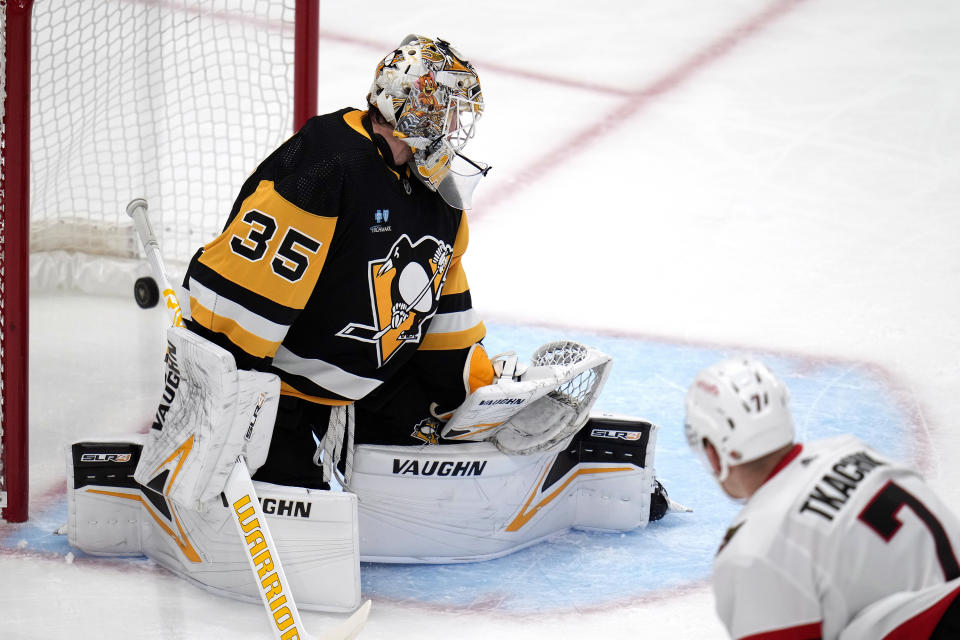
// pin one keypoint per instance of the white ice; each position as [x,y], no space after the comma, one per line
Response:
[762,175]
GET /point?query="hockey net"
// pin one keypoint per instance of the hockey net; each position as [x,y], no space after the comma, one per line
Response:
[175,101]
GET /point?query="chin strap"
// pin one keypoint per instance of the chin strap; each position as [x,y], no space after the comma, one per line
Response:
[384,148]
[381,143]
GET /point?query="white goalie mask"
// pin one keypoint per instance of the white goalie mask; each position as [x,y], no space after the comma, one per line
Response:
[742,409]
[432,97]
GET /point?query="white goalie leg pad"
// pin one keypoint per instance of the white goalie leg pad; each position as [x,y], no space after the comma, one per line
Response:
[104,508]
[210,413]
[315,533]
[470,501]
[539,411]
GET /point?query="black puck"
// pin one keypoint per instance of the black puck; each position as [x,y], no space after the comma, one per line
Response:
[146,292]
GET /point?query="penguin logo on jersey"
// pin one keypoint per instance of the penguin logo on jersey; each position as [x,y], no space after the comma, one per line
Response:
[428,431]
[405,290]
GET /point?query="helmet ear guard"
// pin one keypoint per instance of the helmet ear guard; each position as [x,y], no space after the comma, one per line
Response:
[742,409]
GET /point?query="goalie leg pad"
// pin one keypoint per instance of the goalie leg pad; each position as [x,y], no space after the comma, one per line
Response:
[316,536]
[103,500]
[315,531]
[470,501]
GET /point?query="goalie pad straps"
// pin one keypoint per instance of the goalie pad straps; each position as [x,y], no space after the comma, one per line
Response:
[339,431]
[505,367]
[210,414]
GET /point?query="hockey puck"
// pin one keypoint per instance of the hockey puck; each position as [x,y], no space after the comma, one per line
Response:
[146,292]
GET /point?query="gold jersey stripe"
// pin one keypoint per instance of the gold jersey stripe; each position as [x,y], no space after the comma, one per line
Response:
[463,237]
[287,390]
[269,275]
[249,342]
[453,340]
[456,281]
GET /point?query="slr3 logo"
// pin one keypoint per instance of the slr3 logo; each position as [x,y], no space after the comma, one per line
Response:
[106,457]
[616,435]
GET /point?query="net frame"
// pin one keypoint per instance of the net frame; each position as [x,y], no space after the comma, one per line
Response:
[14,228]
[31,29]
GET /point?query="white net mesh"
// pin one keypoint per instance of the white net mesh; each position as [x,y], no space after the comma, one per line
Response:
[175,101]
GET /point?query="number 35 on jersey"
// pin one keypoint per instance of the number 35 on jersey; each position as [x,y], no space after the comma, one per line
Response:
[272,248]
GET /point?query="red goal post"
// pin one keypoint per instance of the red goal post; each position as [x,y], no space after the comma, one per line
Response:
[106,100]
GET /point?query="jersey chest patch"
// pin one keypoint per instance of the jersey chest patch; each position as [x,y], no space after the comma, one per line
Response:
[404,289]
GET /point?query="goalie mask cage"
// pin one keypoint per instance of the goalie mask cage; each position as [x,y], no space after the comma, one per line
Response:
[175,101]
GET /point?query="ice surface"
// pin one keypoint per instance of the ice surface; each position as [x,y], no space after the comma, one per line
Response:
[674,182]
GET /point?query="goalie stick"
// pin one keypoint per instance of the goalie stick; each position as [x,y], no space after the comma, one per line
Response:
[239,494]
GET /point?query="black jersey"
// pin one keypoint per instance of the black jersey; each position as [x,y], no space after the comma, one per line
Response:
[334,267]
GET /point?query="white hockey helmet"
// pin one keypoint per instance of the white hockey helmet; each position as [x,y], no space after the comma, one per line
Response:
[742,409]
[431,95]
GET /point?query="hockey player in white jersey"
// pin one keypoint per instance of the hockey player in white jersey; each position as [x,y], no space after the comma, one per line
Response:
[835,540]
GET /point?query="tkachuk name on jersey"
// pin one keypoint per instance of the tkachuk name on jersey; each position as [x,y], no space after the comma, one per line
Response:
[502,401]
[616,435]
[438,468]
[833,490]
[170,385]
[105,457]
[292,508]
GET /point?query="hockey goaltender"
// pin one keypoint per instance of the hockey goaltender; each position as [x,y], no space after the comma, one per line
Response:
[329,335]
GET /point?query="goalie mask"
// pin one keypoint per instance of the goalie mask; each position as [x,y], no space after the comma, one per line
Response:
[742,409]
[432,97]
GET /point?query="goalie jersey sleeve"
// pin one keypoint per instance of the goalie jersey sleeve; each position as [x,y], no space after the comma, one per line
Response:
[836,528]
[334,268]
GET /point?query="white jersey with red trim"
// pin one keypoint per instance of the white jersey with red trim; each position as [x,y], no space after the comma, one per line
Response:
[836,528]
